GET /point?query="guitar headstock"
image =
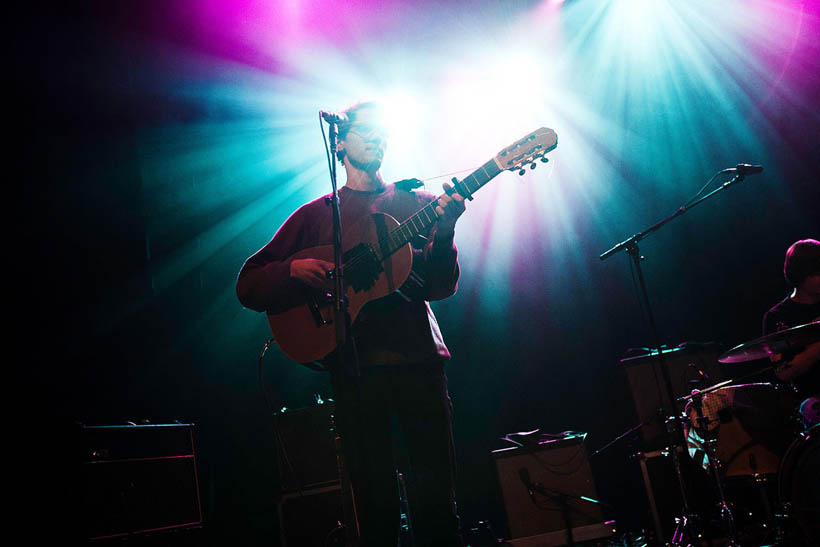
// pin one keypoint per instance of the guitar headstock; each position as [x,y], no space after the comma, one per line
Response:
[525,151]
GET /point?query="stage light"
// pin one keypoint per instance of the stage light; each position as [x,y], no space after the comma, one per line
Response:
[633,88]
[404,117]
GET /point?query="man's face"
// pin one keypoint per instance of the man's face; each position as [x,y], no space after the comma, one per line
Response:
[365,142]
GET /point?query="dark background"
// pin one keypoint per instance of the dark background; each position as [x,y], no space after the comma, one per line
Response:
[109,347]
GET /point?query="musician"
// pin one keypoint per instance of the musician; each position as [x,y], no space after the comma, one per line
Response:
[802,271]
[395,355]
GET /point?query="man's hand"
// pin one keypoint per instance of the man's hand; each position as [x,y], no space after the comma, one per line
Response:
[450,206]
[799,365]
[313,272]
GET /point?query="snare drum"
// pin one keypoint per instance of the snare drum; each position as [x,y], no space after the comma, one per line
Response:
[752,425]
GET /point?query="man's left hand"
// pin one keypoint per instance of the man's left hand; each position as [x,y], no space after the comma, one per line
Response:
[450,206]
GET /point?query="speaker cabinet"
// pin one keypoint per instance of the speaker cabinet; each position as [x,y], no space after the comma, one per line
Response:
[541,486]
[306,455]
[138,479]
[311,518]
[648,388]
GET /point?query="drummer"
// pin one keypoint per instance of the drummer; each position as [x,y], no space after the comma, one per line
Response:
[802,271]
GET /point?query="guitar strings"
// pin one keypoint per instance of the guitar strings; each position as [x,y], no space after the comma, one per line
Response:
[473,169]
[386,240]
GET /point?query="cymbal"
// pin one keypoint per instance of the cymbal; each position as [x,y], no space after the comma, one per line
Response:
[782,341]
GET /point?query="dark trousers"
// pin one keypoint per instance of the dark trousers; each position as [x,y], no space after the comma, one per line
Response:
[416,397]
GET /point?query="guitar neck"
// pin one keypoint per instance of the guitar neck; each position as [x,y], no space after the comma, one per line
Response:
[426,217]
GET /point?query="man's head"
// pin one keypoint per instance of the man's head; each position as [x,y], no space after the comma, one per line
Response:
[802,265]
[363,139]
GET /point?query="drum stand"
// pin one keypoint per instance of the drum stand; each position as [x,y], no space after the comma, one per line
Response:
[702,427]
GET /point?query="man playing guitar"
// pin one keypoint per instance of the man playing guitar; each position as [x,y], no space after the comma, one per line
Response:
[395,342]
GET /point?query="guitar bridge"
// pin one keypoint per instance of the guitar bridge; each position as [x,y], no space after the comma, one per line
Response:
[316,311]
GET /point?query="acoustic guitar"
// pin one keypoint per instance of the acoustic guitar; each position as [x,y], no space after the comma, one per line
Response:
[377,257]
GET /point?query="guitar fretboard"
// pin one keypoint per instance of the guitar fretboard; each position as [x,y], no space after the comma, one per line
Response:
[424,219]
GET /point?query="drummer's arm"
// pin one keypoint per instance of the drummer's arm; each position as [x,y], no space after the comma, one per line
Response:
[800,364]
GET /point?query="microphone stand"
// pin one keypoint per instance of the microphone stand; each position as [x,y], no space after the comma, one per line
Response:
[562,498]
[674,429]
[340,320]
[702,428]
[339,300]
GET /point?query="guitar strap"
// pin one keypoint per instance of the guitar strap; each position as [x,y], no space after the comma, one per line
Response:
[408,184]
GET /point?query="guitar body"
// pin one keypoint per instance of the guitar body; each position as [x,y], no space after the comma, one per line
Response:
[307,333]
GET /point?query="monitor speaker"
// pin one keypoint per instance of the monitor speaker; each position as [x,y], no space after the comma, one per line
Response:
[138,479]
[543,486]
[311,518]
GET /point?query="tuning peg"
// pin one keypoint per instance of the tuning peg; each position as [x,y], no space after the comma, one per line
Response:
[533,165]
[544,159]
[522,172]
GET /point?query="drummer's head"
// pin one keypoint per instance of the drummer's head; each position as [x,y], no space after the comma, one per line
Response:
[802,265]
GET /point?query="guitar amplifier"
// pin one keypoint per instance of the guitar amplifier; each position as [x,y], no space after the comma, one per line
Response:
[306,454]
[138,479]
[543,487]
[311,518]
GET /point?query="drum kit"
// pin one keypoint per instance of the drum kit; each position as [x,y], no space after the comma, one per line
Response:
[761,446]
[740,431]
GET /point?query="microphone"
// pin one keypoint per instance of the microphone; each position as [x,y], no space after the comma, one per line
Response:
[524,475]
[334,117]
[746,169]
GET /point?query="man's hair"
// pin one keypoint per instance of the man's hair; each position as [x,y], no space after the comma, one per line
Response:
[351,112]
[802,260]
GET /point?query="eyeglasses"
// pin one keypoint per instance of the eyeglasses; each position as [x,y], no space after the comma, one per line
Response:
[366,130]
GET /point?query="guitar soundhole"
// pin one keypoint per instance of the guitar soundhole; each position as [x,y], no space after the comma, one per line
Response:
[362,267]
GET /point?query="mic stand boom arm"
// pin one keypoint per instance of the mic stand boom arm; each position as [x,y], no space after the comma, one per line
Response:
[739,176]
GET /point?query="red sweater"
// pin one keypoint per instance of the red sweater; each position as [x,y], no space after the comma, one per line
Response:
[397,329]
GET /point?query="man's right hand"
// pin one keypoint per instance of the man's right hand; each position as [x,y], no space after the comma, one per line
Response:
[312,272]
[798,365]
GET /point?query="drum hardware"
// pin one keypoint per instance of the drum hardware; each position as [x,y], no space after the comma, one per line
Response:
[642,458]
[742,430]
[792,511]
[782,517]
[702,424]
[771,522]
